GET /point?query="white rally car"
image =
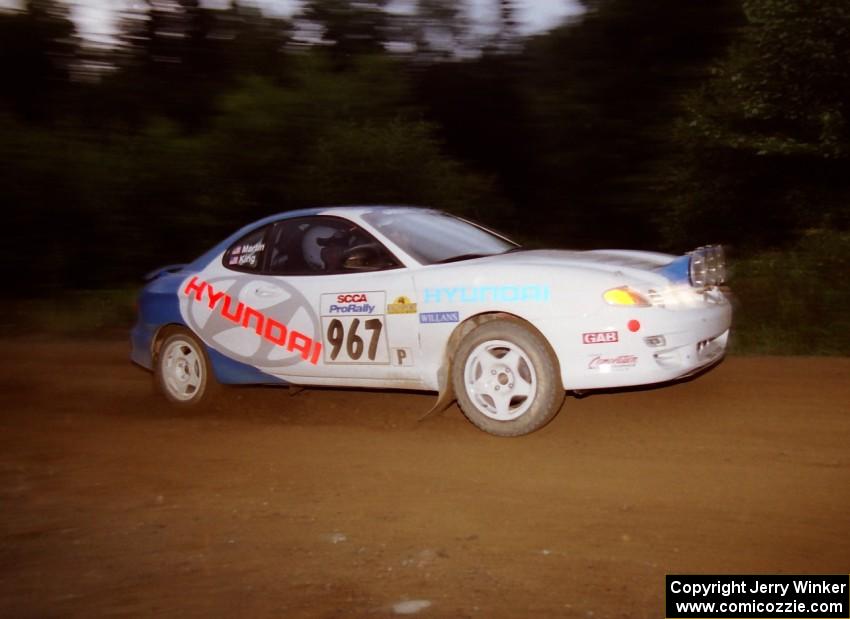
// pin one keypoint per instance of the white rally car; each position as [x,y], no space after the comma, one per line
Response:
[411,298]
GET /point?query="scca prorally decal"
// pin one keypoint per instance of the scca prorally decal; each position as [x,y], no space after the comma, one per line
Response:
[435,317]
[481,294]
[353,327]
[353,303]
[352,308]
[600,337]
[271,324]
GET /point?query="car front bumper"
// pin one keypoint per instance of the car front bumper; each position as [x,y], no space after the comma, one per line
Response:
[651,344]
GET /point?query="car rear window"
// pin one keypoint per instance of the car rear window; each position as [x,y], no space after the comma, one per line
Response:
[248,253]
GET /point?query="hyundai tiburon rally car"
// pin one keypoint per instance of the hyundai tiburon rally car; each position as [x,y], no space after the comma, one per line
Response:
[414,298]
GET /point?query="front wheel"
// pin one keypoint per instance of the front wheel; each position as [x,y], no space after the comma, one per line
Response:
[182,371]
[506,378]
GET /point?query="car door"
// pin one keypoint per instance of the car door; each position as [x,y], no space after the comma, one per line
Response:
[362,297]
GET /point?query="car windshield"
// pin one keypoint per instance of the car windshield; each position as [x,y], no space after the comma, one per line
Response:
[433,237]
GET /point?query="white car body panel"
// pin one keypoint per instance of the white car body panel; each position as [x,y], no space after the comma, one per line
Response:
[414,310]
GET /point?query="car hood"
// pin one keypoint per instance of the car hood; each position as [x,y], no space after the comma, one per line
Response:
[603,258]
[647,266]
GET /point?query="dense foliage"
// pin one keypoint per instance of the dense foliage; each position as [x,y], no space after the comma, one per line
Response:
[196,120]
[765,143]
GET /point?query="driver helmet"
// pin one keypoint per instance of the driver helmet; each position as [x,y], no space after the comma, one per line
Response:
[315,239]
[321,244]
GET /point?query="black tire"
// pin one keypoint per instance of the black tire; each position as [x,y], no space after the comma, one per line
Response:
[182,371]
[506,378]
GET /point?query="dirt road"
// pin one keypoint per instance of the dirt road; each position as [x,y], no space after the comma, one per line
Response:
[339,504]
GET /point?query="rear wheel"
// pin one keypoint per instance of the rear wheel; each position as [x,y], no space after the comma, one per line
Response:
[506,378]
[182,371]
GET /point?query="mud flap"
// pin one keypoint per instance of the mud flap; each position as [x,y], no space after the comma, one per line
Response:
[445,397]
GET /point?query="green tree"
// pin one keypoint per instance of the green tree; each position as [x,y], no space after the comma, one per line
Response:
[349,27]
[574,124]
[393,162]
[765,144]
[334,137]
[177,58]
[37,49]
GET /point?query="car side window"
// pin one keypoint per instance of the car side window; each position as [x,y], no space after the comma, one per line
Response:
[248,253]
[325,246]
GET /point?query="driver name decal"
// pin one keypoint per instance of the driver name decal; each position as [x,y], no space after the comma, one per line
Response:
[242,314]
[246,254]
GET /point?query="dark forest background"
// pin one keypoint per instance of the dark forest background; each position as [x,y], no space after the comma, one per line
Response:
[662,124]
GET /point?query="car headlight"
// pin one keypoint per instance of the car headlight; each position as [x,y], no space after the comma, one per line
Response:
[708,266]
[625,296]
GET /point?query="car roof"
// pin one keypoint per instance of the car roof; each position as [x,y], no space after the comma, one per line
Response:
[353,212]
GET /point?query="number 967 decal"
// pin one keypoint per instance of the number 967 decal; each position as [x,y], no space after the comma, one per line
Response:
[354,328]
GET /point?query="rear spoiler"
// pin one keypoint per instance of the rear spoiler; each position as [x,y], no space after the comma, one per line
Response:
[166,270]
